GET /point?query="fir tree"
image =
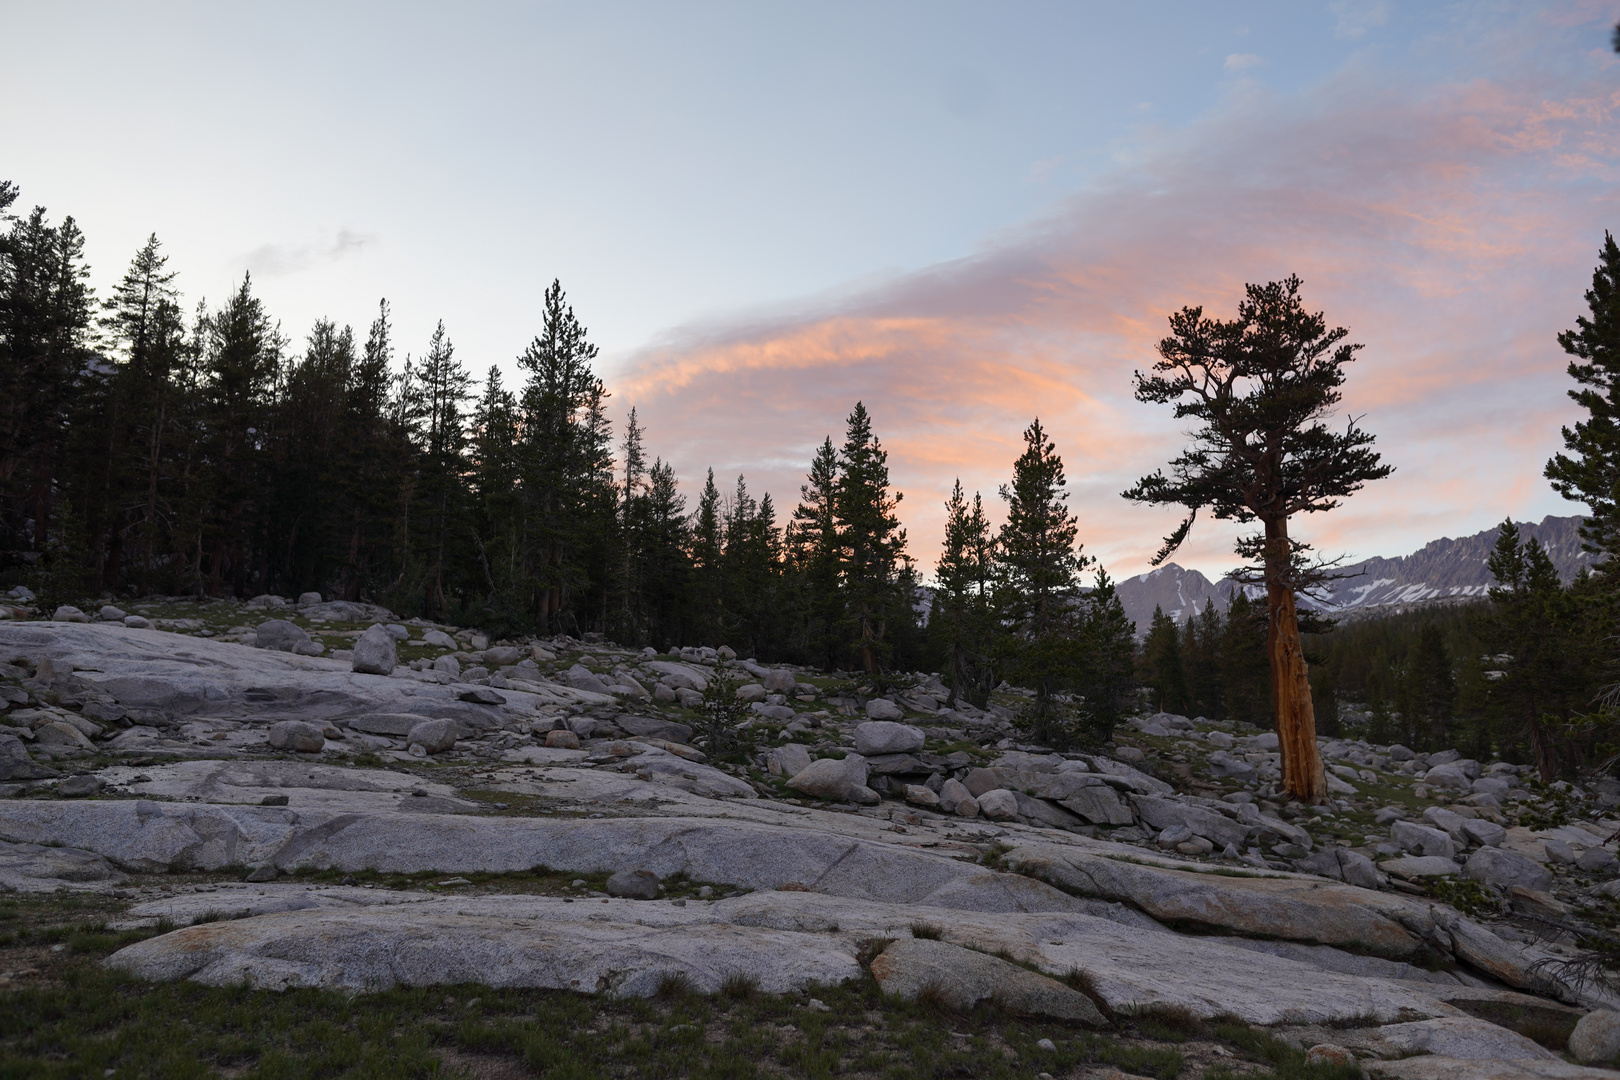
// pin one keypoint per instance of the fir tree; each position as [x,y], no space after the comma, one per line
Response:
[963,612]
[1162,671]
[871,541]
[1038,565]
[816,550]
[1590,471]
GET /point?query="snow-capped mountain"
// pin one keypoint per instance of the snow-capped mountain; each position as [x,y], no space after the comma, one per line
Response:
[1443,571]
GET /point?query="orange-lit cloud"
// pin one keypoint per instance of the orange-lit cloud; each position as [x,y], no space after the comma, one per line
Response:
[1452,228]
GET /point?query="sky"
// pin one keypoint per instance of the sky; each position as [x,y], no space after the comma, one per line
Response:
[964,215]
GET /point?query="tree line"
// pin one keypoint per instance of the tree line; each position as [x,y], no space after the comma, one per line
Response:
[147,448]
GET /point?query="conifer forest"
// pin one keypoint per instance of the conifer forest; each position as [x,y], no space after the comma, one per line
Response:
[154,443]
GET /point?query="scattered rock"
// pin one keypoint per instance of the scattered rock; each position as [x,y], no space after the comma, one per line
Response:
[562,739]
[280,636]
[374,653]
[434,736]
[79,787]
[1421,839]
[297,735]
[998,804]
[830,778]
[885,737]
[1503,870]
[1597,860]
[884,709]
[633,885]
[69,613]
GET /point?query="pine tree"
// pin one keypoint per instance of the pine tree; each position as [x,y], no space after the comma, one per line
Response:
[963,613]
[1105,682]
[816,550]
[567,483]
[708,545]
[1536,628]
[1038,601]
[871,541]
[1162,672]
[443,385]
[1433,688]
[1590,472]
[1262,385]
[1245,671]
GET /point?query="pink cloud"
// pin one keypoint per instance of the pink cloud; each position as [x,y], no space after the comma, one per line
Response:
[1452,228]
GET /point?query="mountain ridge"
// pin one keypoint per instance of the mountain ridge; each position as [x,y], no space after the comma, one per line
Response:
[1446,570]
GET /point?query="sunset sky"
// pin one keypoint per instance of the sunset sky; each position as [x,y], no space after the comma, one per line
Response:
[965,215]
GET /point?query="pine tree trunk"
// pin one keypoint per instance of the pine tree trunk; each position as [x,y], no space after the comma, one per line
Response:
[1303,776]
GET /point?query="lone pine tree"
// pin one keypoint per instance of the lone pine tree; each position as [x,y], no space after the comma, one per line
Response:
[1590,471]
[1261,385]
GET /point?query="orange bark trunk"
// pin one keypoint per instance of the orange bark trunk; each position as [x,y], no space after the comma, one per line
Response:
[1303,776]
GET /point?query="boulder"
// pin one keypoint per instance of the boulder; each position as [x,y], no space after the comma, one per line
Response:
[790,759]
[1449,776]
[296,735]
[952,792]
[779,682]
[79,787]
[62,734]
[655,727]
[500,656]
[999,804]
[1099,805]
[15,764]
[1597,860]
[438,639]
[1213,826]
[309,598]
[562,740]
[1420,866]
[1342,864]
[1503,869]
[751,692]
[398,631]
[830,778]
[962,979]
[918,795]
[884,709]
[280,636]
[1421,839]
[434,736]
[137,622]
[1596,1038]
[69,613]
[449,665]
[582,678]
[1482,832]
[633,885]
[394,725]
[108,613]
[885,737]
[374,653]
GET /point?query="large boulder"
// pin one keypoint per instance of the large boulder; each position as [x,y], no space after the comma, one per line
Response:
[69,613]
[374,653]
[791,759]
[438,639]
[884,709]
[296,735]
[779,682]
[433,736]
[280,635]
[1596,1038]
[830,778]
[1504,869]
[15,764]
[633,885]
[999,804]
[59,733]
[962,979]
[1421,839]
[581,677]
[885,737]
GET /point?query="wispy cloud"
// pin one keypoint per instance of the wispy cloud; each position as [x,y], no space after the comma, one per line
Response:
[1242,61]
[1452,228]
[1356,17]
[279,260]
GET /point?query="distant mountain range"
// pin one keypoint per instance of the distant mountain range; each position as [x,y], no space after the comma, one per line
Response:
[1444,571]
